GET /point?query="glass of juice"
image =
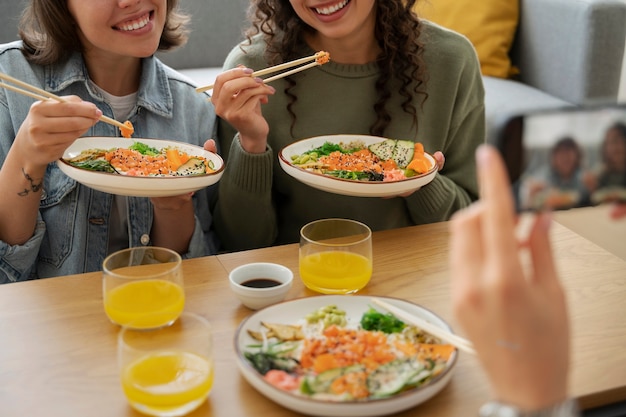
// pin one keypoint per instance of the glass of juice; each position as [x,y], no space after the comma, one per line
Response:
[143,287]
[335,256]
[167,371]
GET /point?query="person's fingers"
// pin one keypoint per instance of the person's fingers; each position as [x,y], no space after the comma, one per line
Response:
[226,77]
[540,248]
[210,146]
[618,211]
[240,97]
[495,192]
[466,244]
[254,91]
[440,159]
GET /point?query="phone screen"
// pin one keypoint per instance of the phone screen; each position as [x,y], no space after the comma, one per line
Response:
[566,158]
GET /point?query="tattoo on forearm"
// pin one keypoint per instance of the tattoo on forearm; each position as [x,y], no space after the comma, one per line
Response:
[34,187]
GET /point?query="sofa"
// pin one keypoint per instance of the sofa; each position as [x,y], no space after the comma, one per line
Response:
[568,52]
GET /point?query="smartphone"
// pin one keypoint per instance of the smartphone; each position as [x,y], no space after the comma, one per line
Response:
[565,158]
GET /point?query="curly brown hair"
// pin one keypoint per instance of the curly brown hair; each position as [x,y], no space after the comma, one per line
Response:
[397,32]
[48,31]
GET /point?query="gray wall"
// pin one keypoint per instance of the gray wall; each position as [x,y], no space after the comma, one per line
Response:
[216,27]
[9,17]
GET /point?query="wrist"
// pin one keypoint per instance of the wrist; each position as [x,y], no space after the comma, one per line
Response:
[252,145]
[566,408]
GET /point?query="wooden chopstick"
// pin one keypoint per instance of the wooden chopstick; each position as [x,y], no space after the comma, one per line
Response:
[43,95]
[320,58]
[457,341]
[293,71]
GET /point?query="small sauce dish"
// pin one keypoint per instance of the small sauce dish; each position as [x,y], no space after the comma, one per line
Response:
[260,284]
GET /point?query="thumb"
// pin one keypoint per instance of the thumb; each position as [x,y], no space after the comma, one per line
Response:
[210,146]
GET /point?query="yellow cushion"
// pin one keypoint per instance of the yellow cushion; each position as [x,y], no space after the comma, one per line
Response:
[489,24]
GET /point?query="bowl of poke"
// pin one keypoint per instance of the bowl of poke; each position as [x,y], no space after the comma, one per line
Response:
[334,355]
[359,165]
[140,167]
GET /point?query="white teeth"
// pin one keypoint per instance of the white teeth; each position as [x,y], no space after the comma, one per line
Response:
[332,9]
[138,24]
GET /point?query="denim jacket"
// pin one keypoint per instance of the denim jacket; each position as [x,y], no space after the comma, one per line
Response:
[72,229]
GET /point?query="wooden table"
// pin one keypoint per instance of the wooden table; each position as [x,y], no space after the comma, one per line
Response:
[58,349]
[596,225]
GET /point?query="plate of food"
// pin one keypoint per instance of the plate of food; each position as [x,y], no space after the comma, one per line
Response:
[359,165]
[140,167]
[336,355]
[609,194]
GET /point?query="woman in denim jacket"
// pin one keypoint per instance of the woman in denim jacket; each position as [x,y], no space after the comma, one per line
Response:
[102,53]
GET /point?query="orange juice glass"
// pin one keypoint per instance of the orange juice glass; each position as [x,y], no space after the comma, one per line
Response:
[143,287]
[335,256]
[167,371]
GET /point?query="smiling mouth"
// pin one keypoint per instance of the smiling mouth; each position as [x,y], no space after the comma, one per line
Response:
[327,11]
[134,24]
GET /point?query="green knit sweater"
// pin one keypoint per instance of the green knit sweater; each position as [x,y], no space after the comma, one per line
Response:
[260,205]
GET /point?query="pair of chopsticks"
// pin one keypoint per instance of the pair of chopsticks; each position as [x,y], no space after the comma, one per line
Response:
[457,341]
[43,95]
[320,58]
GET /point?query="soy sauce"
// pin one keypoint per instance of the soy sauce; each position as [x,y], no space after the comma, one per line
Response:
[261,283]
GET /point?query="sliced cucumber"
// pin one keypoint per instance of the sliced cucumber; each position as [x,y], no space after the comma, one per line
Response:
[391,378]
[403,152]
[194,166]
[321,382]
[384,149]
[419,377]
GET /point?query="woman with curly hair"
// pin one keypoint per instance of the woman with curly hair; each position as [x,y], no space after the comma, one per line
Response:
[608,182]
[98,55]
[390,74]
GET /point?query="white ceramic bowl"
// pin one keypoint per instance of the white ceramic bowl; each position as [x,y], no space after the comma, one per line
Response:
[344,186]
[139,186]
[290,312]
[254,297]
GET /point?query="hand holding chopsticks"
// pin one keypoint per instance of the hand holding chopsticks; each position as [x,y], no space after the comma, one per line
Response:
[320,58]
[457,341]
[40,94]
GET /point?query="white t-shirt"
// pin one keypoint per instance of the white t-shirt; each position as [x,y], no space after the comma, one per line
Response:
[122,107]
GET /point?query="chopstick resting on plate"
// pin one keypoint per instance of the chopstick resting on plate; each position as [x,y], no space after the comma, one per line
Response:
[320,58]
[457,341]
[37,93]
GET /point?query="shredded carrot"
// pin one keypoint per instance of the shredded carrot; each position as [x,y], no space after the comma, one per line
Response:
[419,163]
[325,361]
[354,383]
[175,158]
[134,163]
[361,160]
[127,130]
[389,165]
[344,347]
[435,351]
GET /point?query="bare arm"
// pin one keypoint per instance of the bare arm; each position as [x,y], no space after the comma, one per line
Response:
[47,131]
[174,220]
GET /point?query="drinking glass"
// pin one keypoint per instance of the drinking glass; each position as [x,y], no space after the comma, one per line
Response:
[168,371]
[335,256]
[143,287]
